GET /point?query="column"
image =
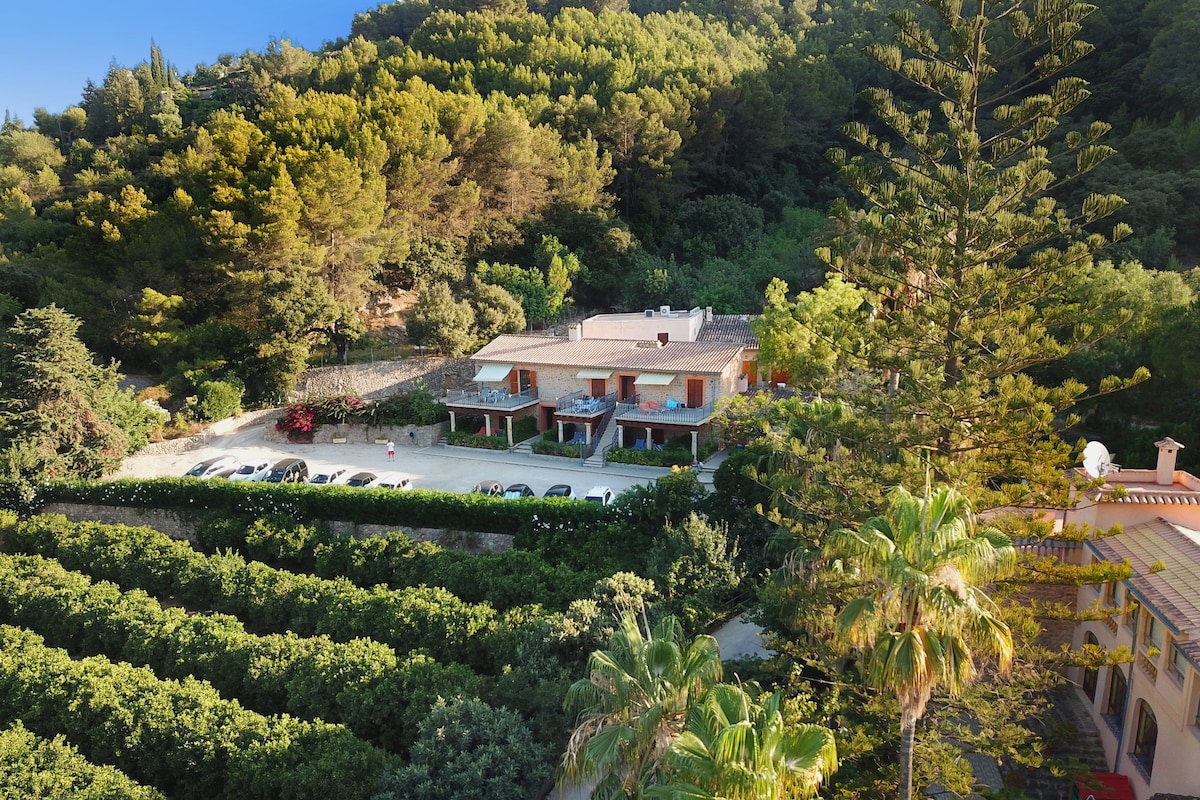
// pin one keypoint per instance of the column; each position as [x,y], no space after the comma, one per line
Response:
[588,434]
[649,438]
[509,426]
[487,424]
[620,436]
[695,445]
[560,430]
[452,428]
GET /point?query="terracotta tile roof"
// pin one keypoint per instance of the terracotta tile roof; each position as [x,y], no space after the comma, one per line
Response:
[556,351]
[729,328]
[1174,590]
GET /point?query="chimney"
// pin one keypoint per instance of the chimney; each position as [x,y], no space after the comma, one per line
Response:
[708,313]
[663,338]
[574,332]
[1165,473]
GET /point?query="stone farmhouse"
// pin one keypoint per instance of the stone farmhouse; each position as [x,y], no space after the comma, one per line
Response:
[627,380]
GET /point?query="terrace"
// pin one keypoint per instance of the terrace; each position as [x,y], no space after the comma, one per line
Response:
[670,413]
[581,405]
[488,399]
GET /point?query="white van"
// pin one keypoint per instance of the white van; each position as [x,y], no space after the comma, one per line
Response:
[393,480]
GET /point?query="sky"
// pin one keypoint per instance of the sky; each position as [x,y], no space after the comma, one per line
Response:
[50,48]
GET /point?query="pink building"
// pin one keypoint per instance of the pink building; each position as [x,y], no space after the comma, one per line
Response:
[1147,711]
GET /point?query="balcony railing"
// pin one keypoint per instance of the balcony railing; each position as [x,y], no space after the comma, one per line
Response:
[578,404]
[652,413]
[499,399]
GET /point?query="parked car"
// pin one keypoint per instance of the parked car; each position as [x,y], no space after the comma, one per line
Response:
[517,491]
[599,494]
[251,472]
[560,490]
[327,476]
[361,480]
[223,472]
[210,467]
[289,470]
[492,488]
[393,480]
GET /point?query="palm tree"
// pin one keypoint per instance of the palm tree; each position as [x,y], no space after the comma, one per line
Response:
[634,702]
[735,748]
[920,610]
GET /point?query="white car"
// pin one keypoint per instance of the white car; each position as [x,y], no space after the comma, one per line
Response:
[327,476]
[251,472]
[393,480]
[599,494]
[220,466]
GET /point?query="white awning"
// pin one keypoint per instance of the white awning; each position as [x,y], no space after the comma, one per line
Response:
[492,372]
[653,379]
[587,374]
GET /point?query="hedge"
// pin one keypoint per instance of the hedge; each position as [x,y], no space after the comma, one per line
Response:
[419,508]
[361,683]
[33,768]
[669,457]
[268,600]
[178,736]
[503,580]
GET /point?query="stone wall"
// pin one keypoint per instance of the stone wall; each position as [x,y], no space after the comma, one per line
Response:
[402,435]
[180,525]
[384,379]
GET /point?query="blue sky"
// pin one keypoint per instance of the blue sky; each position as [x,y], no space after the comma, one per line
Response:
[50,48]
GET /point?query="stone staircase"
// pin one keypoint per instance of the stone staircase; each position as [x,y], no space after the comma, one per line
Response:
[1072,739]
[608,434]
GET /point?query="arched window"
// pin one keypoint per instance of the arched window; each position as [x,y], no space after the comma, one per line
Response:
[1146,738]
[1090,674]
[1114,706]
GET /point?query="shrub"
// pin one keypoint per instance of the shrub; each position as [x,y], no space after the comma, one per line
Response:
[298,422]
[468,439]
[339,408]
[652,458]
[417,406]
[179,736]
[555,448]
[215,400]
[32,767]
[468,750]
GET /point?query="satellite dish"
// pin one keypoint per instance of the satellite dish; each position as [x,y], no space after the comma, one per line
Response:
[1097,461]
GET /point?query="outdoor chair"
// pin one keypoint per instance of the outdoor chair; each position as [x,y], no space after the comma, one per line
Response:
[640,444]
[654,406]
[644,408]
[578,438]
[673,404]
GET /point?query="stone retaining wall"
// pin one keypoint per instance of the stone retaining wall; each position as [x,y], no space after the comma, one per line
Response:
[384,379]
[182,525]
[402,435]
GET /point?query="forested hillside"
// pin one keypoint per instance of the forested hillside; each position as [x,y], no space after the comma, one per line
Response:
[513,159]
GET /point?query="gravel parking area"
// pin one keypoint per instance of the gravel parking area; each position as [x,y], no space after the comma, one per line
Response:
[455,469]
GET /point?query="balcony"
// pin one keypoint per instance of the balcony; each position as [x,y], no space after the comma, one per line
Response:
[490,399]
[579,405]
[651,413]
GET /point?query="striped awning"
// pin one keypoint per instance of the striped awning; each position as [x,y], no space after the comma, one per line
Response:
[654,379]
[588,374]
[492,372]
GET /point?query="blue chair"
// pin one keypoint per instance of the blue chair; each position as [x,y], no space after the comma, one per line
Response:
[640,444]
[673,404]
[578,438]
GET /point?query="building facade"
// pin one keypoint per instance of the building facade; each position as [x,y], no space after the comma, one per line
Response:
[1147,710]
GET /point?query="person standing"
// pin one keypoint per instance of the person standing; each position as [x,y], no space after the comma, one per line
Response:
[391,446]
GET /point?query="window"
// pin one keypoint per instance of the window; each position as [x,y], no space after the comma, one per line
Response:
[1178,664]
[1090,674]
[1107,591]
[1114,707]
[1146,739]
[1154,632]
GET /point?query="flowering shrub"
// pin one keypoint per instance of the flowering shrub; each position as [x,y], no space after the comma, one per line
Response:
[339,408]
[298,423]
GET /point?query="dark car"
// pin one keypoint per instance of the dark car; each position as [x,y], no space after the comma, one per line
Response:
[560,490]
[289,470]
[361,480]
[211,467]
[517,491]
[492,488]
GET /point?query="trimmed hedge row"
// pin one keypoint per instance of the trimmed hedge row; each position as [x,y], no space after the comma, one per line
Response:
[504,580]
[268,600]
[361,683]
[179,736]
[33,768]
[419,508]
